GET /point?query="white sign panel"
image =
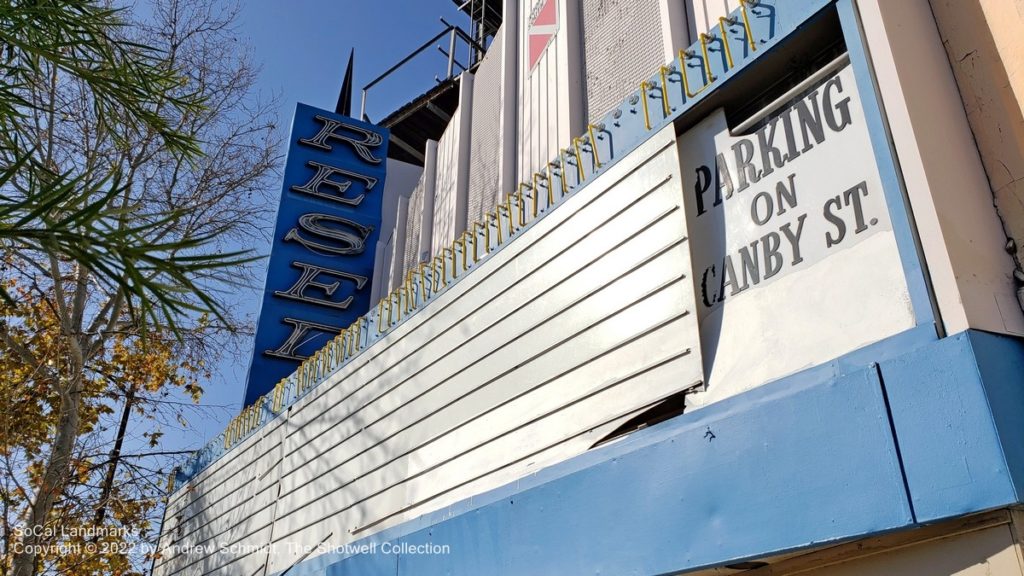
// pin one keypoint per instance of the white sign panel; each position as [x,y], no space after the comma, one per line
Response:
[794,258]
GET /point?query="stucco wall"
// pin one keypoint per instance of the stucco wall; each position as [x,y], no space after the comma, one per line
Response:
[984,40]
[960,234]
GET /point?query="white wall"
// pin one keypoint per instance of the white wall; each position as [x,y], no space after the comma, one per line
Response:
[414,221]
[510,114]
[429,196]
[398,240]
[401,179]
[675,27]
[579,77]
[623,45]
[705,14]
[487,141]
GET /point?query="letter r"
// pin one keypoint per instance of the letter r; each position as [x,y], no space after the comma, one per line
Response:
[330,131]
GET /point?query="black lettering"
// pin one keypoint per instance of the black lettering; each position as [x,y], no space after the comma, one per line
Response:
[722,179]
[794,238]
[786,196]
[751,265]
[771,157]
[770,244]
[810,121]
[842,106]
[769,207]
[831,206]
[853,197]
[729,279]
[707,298]
[787,125]
[701,186]
[747,172]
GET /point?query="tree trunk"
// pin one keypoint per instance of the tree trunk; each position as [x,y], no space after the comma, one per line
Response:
[55,477]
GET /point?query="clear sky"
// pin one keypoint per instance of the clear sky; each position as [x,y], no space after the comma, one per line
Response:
[303,47]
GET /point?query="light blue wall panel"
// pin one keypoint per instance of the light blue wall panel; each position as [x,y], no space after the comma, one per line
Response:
[951,451]
[1001,362]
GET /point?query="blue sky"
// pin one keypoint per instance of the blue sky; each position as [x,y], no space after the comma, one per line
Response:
[302,47]
[304,44]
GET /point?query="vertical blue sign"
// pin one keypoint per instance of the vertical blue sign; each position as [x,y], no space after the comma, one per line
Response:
[321,260]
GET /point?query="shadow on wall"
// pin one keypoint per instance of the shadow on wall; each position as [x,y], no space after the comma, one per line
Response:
[983,42]
[252,507]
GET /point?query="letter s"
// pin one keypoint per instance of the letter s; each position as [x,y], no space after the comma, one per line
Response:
[836,221]
[351,243]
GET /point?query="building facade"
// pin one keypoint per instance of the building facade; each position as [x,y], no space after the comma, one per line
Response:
[680,286]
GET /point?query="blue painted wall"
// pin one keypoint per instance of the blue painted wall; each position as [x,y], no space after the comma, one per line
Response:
[958,412]
[302,241]
[1001,367]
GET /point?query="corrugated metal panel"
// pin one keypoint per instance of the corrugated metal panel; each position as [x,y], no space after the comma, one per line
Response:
[539,127]
[235,501]
[623,46]
[486,149]
[413,226]
[445,193]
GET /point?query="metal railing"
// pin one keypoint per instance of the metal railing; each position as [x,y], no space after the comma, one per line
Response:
[453,33]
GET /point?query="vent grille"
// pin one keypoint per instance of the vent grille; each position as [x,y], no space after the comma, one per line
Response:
[485,147]
[622,45]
